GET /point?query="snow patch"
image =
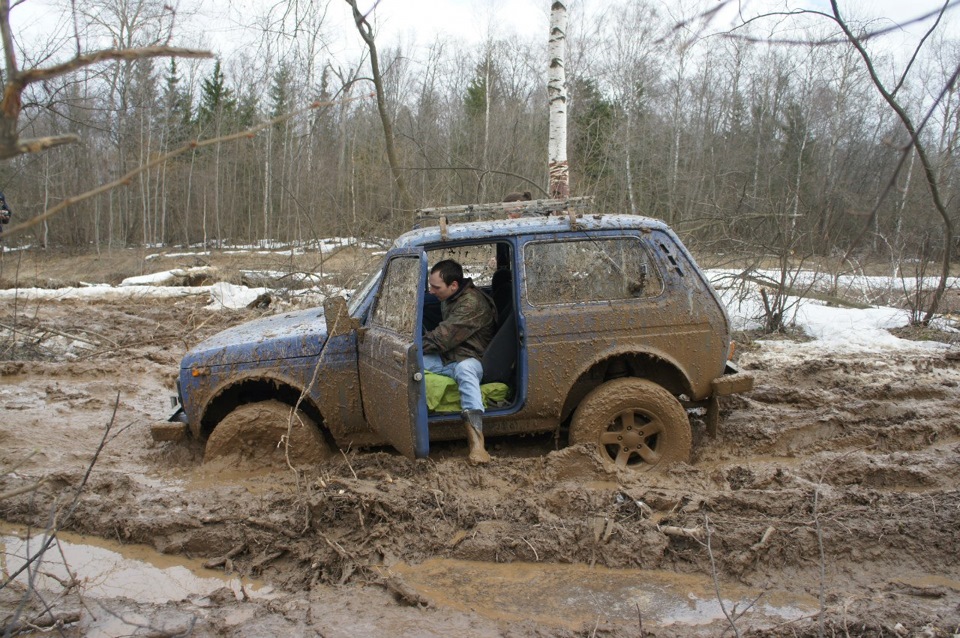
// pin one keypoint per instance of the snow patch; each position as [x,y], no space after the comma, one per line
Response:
[224,295]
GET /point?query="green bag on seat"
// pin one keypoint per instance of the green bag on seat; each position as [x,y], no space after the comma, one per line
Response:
[444,396]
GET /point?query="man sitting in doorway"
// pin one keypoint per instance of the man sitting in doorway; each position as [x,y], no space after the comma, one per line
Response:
[454,348]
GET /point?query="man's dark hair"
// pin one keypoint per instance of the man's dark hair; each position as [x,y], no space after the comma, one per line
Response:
[450,271]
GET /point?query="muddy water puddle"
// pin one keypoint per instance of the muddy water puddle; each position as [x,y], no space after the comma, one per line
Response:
[104,569]
[578,596]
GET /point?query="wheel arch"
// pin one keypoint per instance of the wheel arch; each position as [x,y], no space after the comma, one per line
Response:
[653,366]
[250,390]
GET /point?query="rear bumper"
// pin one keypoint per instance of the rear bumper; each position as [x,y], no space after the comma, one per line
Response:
[733,381]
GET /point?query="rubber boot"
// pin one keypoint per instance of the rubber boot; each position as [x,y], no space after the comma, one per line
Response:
[473,421]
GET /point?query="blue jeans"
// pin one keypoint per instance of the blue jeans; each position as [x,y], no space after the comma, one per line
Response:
[467,374]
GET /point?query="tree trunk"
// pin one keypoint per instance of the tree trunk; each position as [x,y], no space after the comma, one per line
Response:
[366,32]
[557,97]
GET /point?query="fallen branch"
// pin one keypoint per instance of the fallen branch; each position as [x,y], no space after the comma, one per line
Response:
[19,463]
[809,293]
[405,592]
[264,559]
[696,533]
[23,489]
[54,331]
[45,622]
[764,540]
[217,562]
[273,527]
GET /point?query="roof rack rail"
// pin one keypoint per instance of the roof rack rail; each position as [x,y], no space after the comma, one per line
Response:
[502,210]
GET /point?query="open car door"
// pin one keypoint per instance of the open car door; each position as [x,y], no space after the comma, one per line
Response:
[391,357]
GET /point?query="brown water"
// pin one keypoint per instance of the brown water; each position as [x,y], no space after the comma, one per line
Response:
[105,569]
[574,596]
[559,595]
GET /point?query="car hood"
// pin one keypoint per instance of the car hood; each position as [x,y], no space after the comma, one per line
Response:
[282,336]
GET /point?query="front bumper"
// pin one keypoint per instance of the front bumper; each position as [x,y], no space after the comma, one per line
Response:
[173,429]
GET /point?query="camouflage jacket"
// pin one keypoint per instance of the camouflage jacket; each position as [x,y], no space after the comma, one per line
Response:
[469,321]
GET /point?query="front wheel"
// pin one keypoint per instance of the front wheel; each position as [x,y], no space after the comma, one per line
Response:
[635,423]
[255,435]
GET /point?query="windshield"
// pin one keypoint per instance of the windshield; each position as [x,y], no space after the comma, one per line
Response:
[362,291]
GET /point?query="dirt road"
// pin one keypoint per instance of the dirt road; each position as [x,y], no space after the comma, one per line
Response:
[832,486]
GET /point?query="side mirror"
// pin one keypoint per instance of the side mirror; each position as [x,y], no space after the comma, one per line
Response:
[339,321]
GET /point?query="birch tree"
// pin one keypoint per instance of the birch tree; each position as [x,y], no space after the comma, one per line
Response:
[557,98]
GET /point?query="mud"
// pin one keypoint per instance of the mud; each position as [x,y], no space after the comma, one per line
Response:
[832,487]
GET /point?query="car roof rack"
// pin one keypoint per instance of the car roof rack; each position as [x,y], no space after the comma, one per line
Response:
[444,215]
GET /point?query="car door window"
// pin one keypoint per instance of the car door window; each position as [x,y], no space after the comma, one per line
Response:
[589,270]
[396,307]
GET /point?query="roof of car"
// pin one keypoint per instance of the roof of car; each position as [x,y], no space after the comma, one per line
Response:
[526,226]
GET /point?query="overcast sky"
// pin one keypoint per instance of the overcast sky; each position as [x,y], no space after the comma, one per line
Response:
[223,25]
[472,20]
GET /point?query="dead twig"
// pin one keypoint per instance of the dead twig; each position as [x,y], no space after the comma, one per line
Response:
[348,464]
[536,556]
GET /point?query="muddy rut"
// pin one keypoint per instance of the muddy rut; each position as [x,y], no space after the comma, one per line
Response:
[835,479]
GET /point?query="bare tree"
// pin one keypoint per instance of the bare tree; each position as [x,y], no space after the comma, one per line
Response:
[366,32]
[916,142]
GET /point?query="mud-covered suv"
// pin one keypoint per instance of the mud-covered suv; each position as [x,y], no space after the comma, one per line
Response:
[606,326]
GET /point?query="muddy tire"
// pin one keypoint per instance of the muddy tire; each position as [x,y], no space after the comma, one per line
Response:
[253,436]
[635,424]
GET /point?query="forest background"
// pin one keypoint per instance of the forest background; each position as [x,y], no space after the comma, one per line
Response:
[765,138]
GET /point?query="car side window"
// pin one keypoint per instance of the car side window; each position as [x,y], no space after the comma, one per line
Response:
[589,270]
[396,307]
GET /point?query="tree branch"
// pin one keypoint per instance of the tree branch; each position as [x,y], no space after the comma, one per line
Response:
[105,55]
[915,141]
[10,144]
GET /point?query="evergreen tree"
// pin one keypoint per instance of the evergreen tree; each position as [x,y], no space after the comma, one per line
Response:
[176,101]
[592,121]
[216,99]
[280,91]
[475,102]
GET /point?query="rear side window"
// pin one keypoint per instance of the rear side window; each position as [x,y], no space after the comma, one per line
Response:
[589,270]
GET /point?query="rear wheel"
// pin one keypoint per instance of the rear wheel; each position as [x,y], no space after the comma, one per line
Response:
[255,435]
[635,423]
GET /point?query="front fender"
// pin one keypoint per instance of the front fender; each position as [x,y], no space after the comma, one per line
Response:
[214,393]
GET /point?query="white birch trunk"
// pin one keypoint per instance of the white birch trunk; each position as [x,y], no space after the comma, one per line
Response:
[557,98]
